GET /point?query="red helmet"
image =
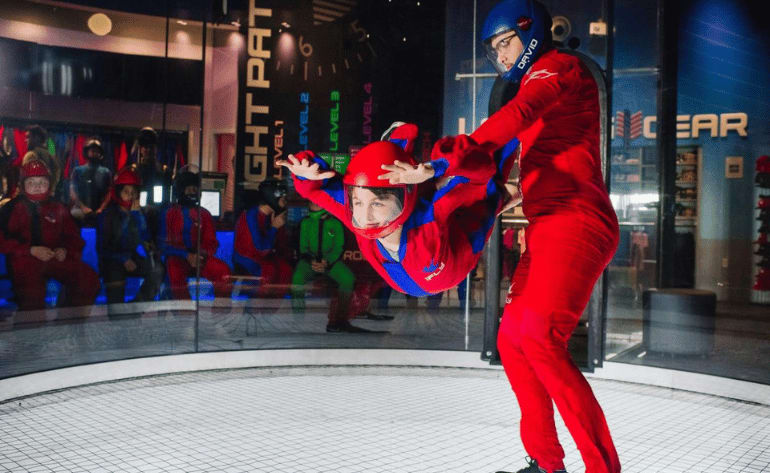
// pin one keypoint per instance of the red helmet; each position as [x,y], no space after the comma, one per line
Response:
[35,168]
[363,171]
[125,177]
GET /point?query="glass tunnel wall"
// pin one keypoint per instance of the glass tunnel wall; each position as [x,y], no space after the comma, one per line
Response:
[234,265]
[197,259]
[707,313]
[110,104]
[705,308]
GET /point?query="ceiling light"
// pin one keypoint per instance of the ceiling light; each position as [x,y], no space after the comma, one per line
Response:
[100,24]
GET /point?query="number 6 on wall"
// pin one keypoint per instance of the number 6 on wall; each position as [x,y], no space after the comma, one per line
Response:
[305,48]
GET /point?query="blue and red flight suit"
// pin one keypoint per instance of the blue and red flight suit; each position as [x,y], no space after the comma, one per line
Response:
[263,250]
[442,239]
[178,236]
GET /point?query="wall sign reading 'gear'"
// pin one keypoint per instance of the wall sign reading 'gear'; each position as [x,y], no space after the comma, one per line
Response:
[761,292]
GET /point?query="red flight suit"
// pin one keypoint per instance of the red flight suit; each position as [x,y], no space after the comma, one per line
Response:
[47,223]
[571,237]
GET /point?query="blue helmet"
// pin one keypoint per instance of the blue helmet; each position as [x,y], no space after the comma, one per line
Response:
[530,21]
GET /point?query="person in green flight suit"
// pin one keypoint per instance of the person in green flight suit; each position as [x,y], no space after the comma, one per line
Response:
[321,245]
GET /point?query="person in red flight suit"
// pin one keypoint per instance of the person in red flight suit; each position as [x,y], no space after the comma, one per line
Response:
[42,241]
[421,227]
[178,241]
[571,236]
[261,241]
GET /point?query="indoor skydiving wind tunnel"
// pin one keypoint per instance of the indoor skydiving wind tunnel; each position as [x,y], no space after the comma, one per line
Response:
[162,272]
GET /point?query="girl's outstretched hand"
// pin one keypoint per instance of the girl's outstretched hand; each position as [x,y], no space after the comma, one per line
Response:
[305,168]
[405,173]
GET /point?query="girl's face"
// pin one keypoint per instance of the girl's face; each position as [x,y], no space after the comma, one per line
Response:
[372,211]
[36,185]
[128,193]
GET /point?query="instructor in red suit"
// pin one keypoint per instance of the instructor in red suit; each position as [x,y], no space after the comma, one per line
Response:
[571,237]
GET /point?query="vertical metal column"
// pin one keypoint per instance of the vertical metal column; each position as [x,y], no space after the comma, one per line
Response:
[492,296]
[597,328]
[502,92]
[666,138]
[473,128]
[200,170]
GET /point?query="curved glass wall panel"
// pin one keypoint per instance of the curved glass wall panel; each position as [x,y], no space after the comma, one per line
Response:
[109,103]
[216,250]
[710,316]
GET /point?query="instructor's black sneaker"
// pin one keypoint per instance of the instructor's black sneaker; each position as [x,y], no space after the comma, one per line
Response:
[346,327]
[369,316]
[533,468]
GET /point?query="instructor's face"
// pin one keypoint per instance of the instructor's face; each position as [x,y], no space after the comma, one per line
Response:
[508,47]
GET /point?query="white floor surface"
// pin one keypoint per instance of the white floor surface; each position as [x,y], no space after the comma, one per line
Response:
[357,419]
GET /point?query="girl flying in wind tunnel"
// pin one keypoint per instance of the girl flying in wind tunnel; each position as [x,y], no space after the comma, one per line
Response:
[421,226]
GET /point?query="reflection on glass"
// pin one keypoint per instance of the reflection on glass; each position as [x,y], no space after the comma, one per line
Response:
[210,200]
[634,195]
[157,194]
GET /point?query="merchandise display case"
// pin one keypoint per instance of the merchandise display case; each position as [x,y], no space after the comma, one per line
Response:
[687,208]
[634,194]
[760,293]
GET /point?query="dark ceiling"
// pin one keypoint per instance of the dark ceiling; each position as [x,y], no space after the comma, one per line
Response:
[184,9]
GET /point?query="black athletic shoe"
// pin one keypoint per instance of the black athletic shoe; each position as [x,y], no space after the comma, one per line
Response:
[369,316]
[533,468]
[346,327]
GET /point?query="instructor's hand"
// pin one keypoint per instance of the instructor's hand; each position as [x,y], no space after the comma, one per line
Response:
[305,168]
[405,173]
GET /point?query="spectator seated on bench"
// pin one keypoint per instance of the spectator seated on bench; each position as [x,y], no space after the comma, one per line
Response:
[187,241]
[42,241]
